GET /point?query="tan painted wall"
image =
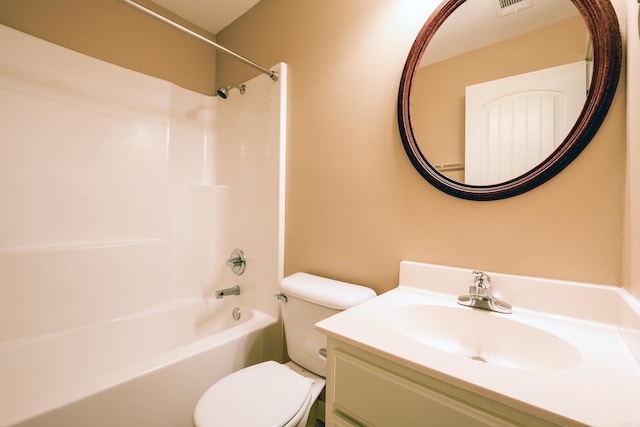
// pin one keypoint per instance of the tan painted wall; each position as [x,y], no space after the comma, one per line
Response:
[631,270]
[356,206]
[115,32]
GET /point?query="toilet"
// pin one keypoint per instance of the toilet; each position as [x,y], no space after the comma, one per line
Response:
[281,395]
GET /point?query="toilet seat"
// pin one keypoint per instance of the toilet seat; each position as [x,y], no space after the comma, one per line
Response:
[266,394]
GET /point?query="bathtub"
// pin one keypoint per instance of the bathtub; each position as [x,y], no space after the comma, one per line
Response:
[148,369]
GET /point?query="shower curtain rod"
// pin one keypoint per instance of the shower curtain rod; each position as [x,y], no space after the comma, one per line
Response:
[270,73]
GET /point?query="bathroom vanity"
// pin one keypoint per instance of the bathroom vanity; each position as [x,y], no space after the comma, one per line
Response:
[414,356]
[373,391]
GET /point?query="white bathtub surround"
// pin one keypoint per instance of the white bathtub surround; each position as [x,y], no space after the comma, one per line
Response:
[596,383]
[251,162]
[124,194]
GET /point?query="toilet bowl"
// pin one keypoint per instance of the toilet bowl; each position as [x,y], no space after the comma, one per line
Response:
[272,394]
[266,394]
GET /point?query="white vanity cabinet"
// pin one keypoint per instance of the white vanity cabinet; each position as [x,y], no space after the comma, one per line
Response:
[413,356]
[364,389]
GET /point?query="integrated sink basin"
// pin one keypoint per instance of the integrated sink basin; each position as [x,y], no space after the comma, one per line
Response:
[484,336]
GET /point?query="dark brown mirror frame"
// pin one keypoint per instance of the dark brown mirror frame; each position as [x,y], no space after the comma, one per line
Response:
[602,23]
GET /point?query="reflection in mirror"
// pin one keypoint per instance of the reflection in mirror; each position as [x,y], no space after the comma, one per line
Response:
[465,91]
[474,122]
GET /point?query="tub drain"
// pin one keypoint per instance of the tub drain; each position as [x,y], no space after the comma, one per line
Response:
[236,313]
[478,358]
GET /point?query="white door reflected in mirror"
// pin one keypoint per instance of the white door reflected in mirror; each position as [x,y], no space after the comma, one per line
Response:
[512,124]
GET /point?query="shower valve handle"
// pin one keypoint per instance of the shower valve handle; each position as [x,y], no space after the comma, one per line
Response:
[237,262]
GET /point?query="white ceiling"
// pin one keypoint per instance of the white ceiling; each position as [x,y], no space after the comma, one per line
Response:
[475,24]
[212,15]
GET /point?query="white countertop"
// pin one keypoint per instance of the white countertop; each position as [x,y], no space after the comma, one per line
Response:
[602,388]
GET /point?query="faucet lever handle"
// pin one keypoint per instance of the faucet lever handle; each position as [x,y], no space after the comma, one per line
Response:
[481,280]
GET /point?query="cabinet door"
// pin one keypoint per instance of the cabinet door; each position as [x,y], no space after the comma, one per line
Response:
[337,420]
[376,397]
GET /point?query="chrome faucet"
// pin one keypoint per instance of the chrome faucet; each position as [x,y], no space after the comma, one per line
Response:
[481,295]
[228,291]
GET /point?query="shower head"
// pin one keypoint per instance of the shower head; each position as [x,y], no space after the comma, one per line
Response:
[223,92]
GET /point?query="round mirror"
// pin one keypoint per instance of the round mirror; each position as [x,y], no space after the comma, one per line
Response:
[498,96]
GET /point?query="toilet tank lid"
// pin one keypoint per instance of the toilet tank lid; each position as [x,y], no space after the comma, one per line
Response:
[326,292]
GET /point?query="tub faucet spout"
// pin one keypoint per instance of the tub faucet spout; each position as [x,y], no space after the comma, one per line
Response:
[221,293]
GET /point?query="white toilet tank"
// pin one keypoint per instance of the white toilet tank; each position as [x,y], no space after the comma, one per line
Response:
[311,299]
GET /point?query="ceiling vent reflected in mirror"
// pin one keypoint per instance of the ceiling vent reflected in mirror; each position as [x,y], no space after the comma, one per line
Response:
[509,7]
